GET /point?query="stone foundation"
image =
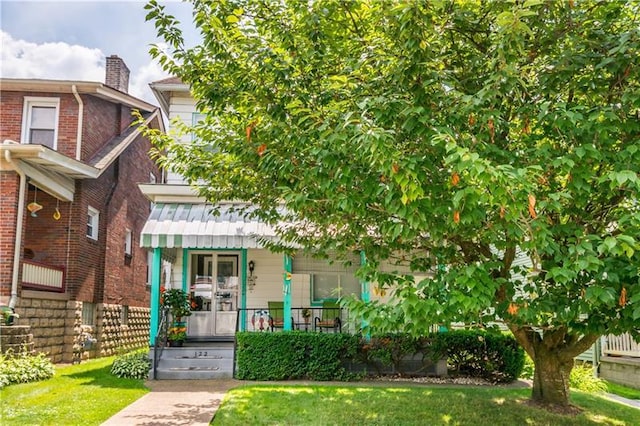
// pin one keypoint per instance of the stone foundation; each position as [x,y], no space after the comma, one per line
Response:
[16,339]
[57,329]
[622,370]
[115,337]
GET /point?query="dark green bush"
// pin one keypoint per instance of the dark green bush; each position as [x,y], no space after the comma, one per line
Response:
[322,356]
[494,356]
[133,365]
[387,352]
[24,368]
[294,355]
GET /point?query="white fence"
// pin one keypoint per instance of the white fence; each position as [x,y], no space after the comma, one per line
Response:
[622,345]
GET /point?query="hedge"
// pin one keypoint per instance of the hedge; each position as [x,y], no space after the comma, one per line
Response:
[324,356]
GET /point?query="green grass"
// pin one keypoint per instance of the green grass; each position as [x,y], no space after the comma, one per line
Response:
[83,394]
[407,405]
[623,391]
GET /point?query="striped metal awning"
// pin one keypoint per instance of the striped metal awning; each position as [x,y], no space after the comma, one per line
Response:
[198,226]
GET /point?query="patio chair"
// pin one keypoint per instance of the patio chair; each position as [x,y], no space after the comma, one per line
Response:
[276,314]
[330,317]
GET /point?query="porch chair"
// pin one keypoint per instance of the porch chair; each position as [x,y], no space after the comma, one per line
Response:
[276,314]
[330,317]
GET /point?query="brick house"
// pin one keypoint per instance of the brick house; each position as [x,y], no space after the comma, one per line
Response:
[70,261]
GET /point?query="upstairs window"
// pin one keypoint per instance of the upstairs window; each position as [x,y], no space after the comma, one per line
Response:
[40,121]
[93,216]
[127,242]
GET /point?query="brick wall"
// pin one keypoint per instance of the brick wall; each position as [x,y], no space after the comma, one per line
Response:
[102,122]
[11,108]
[9,182]
[44,236]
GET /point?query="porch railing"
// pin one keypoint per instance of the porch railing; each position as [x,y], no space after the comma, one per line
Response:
[40,276]
[622,345]
[318,319]
[161,340]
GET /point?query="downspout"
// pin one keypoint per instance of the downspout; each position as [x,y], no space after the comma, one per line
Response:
[19,223]
[80,117]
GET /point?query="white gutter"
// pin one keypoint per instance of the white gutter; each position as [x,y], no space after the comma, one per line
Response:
[19,220]
[80,116]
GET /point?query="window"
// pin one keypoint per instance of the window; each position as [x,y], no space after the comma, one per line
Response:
[124,315]
[88,313]
[92,223]
[127,242]
[196,118]
[40,121]
[332,286]
[127,247]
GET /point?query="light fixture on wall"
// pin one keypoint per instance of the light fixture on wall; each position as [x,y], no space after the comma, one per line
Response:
[251,279]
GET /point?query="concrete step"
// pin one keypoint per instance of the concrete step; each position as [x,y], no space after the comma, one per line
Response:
[196,361]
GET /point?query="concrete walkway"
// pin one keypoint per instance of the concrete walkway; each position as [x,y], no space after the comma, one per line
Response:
[175,402]
[195,402]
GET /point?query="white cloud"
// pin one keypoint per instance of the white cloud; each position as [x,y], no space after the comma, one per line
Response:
[58,61]
[63,61]
[139,82]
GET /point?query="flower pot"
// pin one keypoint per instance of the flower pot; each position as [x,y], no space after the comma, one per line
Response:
[176,343]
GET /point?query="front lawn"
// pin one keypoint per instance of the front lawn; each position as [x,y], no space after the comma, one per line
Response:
[407,405]
[84,394]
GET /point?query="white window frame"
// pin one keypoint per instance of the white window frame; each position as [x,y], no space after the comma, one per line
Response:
[339,293]
[28,104]
[93,220]
[128,239]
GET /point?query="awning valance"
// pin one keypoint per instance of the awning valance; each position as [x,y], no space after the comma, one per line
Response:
[197,226]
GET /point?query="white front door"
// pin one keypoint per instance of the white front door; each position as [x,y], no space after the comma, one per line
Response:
[214,285]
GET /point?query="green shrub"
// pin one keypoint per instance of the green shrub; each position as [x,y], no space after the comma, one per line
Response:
[582,378]
[322,356]
[134,365]
[387,352]
[493,356]
[24,368]
[528,369]
[294,355]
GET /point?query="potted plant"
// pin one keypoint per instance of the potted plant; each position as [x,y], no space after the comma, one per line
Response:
[176,335]
[177,300]
[306,314]
[7,315]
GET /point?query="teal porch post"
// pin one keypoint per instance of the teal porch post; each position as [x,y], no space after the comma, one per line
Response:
[156,269]
[286,290]
[365,292]
[243,290]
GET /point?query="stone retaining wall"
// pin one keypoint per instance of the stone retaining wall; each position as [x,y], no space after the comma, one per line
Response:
[114,337]
[47,319]
[16,339]
[57,329]
[621,370]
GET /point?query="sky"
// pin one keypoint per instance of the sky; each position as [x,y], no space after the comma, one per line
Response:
[69,40]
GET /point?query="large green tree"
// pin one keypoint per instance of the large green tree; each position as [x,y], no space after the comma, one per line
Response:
[443,136]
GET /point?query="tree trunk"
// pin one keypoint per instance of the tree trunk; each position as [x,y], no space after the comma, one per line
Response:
[551,378]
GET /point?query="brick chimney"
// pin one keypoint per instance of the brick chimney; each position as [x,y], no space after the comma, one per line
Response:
[117,74]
